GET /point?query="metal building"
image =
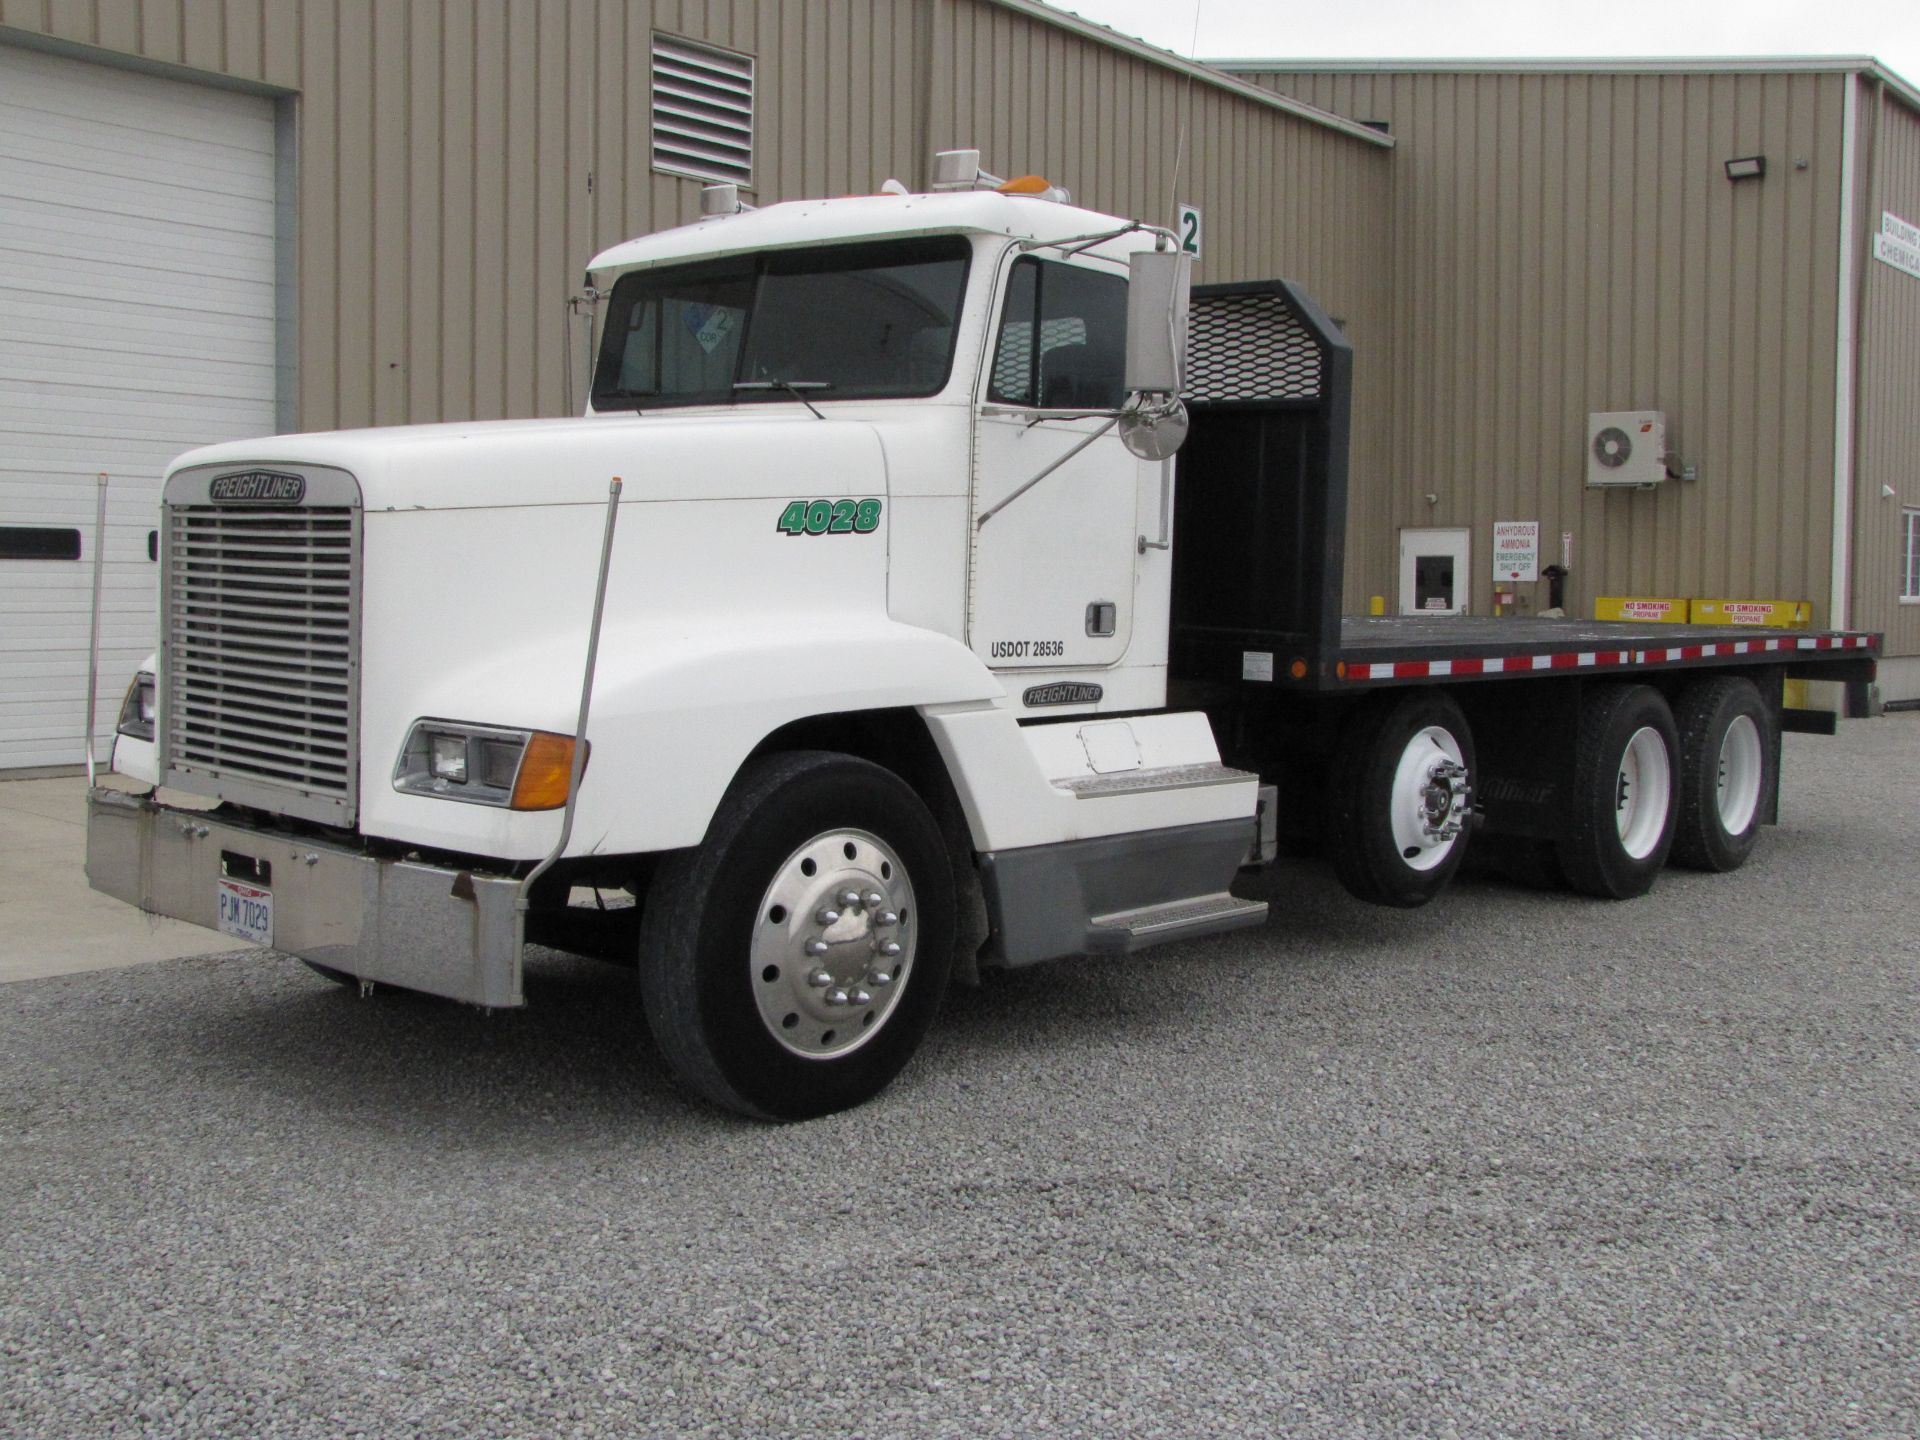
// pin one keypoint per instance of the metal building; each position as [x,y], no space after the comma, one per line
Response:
[1735,244]
[238,216]
[229,218]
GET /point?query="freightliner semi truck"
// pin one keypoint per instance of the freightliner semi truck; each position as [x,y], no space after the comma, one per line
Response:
[865,630]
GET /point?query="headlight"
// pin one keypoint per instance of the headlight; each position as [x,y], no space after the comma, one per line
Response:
[136,711]
[486,765]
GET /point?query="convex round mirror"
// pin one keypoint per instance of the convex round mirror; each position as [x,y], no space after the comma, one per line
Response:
[1155,429]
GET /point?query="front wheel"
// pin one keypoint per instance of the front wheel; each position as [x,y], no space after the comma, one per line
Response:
[1726,772]
[1400,799]
[1620,821]
[791,964]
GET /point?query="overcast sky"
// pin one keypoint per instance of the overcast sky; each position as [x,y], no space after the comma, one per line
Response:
[1886,29]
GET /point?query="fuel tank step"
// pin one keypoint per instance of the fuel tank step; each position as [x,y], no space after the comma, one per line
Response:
[1139,782]
[1125,931]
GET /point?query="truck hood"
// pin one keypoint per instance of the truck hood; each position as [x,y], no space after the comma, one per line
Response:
[490,463]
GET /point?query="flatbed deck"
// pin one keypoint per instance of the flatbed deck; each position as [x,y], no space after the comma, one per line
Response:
[1385,649]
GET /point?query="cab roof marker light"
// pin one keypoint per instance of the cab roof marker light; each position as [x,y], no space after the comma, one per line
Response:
[1037,186]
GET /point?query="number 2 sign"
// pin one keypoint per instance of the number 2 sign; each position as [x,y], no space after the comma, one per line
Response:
[1188,229]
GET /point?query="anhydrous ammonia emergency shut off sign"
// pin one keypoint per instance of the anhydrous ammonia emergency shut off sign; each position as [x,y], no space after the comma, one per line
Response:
[1516,549]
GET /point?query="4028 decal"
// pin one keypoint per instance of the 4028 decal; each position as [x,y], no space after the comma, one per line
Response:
[829,517]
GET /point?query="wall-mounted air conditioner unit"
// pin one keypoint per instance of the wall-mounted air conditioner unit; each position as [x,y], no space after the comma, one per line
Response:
[1626,447]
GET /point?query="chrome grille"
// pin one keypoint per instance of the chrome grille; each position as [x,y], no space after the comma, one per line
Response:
[260,655]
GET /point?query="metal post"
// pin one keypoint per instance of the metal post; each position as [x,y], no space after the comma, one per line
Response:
[93,629]
[522,900]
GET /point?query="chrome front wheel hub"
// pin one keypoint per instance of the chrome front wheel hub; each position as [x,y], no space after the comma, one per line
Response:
[833,944]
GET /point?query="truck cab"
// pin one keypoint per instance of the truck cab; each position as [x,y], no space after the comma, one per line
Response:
[849,542]
[980,339]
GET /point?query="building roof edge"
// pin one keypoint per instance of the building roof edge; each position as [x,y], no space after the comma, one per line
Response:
[1205,73]
[1588,65]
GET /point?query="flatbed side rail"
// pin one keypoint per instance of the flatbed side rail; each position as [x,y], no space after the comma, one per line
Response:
[1823,653]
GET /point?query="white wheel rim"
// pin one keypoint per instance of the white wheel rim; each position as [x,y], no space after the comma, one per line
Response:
[1430,795]
[1643,792]
[833,944]
[1737,784]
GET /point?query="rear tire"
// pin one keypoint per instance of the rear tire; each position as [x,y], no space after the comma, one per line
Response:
[1726,773]
[1622,811]
[1400,798]
[791,964]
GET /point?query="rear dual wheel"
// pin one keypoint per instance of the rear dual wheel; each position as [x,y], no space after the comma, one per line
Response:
[1727,770]
[1400,798]
[1622,814]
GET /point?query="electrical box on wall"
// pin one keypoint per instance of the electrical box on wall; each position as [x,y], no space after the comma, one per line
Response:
[1626,448]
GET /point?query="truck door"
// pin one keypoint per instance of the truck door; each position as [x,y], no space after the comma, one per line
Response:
[1051,581]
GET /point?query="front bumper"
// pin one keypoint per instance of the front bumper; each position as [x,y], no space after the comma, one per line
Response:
[422,927]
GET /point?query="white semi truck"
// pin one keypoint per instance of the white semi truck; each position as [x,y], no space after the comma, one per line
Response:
[860,631]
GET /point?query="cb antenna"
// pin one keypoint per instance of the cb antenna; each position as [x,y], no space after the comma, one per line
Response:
[1186,118]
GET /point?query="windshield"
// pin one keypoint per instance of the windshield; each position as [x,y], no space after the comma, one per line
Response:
[847,322]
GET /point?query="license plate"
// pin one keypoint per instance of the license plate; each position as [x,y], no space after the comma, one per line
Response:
[246,911]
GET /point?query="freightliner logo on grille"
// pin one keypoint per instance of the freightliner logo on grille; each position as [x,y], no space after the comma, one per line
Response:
[264,487]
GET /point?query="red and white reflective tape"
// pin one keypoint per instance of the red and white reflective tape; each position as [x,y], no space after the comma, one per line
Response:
[1593,659]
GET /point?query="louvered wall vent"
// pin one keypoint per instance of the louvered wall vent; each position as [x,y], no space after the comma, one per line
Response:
[702,111]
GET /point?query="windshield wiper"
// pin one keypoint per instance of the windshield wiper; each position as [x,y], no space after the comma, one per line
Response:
[792,387]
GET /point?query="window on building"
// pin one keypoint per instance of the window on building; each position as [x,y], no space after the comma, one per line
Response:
[38,542]
[702,111]
[1063,339]
[1910,556]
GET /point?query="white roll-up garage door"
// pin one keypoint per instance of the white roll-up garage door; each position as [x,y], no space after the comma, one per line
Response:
[136,321]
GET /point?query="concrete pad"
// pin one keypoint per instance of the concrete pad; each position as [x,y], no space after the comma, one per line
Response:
[51,921]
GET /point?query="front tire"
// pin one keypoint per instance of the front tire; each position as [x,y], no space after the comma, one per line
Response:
[1622,813]
[791,964]
[1726,773]
[1400,799]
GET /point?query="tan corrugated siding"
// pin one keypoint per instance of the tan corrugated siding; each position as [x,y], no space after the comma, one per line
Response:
[459,162]
[1569,243]
[1888,437]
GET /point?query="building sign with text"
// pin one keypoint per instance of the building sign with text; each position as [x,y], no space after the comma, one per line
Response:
[1898,243]
[1516,549]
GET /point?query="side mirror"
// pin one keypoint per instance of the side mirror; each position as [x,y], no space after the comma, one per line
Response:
[1158,291]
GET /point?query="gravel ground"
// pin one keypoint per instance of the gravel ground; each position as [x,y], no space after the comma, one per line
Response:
[1519,1164]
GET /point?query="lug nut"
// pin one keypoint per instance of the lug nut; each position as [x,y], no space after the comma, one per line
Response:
[820,979]
[888,948]
[848,897]
[879,977]
[875,899]
[817,947]
[836,997]
[886,917]
[861,997]
[826,916]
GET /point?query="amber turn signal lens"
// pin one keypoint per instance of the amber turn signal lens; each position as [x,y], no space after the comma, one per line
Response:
[545,772]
